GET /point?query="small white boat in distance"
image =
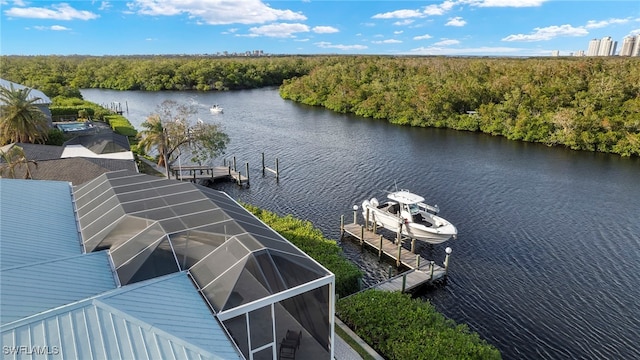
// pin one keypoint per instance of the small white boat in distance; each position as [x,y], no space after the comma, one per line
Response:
[215,109]
[408,211]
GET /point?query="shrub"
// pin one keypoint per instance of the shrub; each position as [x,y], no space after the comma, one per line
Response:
[121,125]
[399,327]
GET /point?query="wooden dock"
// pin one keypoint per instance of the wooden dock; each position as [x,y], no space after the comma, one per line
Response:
[421,271]
[212,173]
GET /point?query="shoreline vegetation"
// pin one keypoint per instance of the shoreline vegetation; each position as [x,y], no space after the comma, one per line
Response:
[587,103]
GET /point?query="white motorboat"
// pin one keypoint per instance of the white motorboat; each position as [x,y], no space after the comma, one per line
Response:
[408,212]
[215,109]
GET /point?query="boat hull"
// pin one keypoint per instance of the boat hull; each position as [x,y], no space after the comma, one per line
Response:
[432,229]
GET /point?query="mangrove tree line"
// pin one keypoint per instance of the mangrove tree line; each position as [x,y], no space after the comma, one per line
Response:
[583,103]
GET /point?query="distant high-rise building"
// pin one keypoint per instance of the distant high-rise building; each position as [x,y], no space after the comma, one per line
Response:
[579,53]
[627,46]
[636,47]
[555,53]
[594,45]
[607,46]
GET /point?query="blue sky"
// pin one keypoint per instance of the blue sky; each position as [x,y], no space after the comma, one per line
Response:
[449,27]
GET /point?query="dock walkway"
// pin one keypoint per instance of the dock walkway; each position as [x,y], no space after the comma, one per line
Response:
[196,173]
[421,271]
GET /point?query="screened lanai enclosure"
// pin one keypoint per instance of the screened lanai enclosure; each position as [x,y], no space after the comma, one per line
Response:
[256,283]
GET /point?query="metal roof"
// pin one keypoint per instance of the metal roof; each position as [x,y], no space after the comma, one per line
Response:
[42,99]
[162,318]
[37,222]
[30,289]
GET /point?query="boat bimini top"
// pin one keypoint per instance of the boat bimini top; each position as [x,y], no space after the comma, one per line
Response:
[405,197]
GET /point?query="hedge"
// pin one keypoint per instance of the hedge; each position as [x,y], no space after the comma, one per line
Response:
[400,327]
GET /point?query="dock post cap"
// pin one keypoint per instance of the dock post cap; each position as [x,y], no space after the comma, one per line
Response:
[448,250]
[355,207]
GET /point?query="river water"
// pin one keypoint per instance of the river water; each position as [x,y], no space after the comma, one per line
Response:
[547,261]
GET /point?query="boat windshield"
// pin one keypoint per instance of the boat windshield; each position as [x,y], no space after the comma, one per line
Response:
[414,209]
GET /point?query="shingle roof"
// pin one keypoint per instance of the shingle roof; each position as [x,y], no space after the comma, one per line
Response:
[75,170]
[39,152]
[34,94]
[102,142]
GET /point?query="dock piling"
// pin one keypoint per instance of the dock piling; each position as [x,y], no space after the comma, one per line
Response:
[446,260]
[355,214]
[247,168]
[431,268]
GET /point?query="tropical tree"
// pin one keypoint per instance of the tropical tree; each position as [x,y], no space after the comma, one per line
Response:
[14,158]
[20,118]
[170,132]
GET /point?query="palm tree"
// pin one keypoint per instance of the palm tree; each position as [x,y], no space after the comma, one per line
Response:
[155,137]
[14,158]
[20,119]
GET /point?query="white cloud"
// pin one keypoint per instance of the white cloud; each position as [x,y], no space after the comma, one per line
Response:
[328,45]
[388,41]
[403,22]
[279,30]
[548,33]
[105,5]
[441,9]
[217,12]
[325,30]
[634,32]
[592,24]
[398,32]
[422,37]
[62,11]
[399,14]
[447,42]
[52,28]
[456,21]
[505,3]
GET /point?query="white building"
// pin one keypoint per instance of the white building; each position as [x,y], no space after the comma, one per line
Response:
[636,46]
[607,46]
[627,46]
[594,44]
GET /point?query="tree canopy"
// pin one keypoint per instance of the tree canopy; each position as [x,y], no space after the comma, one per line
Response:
[588,104]
[171,132]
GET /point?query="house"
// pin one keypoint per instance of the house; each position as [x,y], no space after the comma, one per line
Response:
[80,159]
[131,264]
[42,101]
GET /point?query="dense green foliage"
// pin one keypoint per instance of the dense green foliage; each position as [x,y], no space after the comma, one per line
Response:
[583,103]
[399,327]
[310,240]
[59,75]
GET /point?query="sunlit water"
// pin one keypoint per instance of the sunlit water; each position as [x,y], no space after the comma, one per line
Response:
[547,262]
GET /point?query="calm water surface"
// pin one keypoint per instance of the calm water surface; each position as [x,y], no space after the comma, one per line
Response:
[547,262]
